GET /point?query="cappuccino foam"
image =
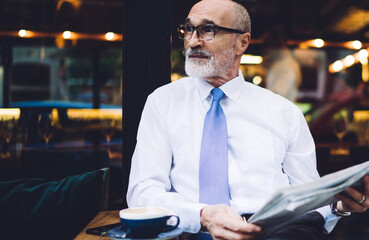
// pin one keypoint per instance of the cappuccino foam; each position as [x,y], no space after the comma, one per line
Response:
[142,213]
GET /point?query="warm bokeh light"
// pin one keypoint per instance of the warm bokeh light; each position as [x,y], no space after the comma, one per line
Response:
[360,56]
[90,114]
[349,61]
[365,71]
[363,56]
[363,53]
[337,66]
[364,61]
[175,77]
[318,43]
[109,36]
[9,113]
[251,59]
[257,80]
[67,34]
[356,44]
[22,33]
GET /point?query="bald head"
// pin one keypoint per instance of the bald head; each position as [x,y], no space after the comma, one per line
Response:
[229,11]
[242,17]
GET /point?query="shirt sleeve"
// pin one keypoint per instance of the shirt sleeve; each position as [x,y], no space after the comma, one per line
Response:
[149,182]
[300,162]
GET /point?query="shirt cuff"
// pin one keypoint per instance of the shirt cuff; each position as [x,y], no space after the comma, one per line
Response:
[329,218]
[189,214]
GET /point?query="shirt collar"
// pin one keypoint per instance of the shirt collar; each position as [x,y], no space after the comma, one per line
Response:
[231,89]
[234,87]
[204,88]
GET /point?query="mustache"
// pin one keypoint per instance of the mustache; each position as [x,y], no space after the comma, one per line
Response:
[200,52]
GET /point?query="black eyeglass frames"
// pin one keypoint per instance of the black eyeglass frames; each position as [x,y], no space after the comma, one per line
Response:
[205,32]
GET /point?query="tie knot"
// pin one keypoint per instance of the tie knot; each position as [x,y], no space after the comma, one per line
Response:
[218,94]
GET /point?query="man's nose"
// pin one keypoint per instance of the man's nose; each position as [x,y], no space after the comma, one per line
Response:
[195,41]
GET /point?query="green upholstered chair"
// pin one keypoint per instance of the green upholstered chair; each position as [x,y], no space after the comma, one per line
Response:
[37,208]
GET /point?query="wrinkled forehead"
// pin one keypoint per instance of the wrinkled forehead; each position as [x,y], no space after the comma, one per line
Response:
[219,12]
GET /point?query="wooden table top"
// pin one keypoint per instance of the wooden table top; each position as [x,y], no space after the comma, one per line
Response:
[103,218]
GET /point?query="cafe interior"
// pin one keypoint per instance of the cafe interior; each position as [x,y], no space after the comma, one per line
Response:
[75,74]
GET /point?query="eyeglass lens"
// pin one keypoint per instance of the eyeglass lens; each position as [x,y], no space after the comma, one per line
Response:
[204,32]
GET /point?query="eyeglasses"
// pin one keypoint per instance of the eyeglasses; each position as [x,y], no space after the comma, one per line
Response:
[205,32]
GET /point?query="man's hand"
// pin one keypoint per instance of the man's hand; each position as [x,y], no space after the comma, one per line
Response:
[358,201]
[223,222]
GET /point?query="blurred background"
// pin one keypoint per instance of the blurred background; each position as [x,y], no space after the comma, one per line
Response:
[61,89]
[64,74]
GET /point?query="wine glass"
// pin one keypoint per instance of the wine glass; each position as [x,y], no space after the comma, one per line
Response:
[108,130]
[366,132]
[340,126]
[7,127]
[45,126]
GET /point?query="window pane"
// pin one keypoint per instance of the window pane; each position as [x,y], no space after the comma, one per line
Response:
[61,89]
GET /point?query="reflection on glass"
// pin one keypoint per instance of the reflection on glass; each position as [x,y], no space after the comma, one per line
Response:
[7,127]
[340,126]
[366,133]
[45,126]
[108,128]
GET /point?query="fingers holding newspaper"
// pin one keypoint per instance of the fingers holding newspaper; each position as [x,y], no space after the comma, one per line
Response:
[222,222]
[354,200]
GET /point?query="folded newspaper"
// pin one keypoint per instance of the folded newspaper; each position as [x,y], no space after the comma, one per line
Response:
[300,198]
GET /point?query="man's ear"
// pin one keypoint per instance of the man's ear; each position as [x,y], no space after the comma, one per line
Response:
[243,41]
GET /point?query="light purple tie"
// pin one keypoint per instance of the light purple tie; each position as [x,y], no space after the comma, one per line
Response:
[213,172]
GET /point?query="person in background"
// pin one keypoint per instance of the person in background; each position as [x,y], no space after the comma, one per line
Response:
[213,148]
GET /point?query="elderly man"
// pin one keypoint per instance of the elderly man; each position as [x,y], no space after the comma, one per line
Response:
[212,147]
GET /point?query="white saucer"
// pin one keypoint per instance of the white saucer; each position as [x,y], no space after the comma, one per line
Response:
[118,233]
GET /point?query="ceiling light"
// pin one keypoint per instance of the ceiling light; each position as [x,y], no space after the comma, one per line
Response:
[363,54]
[22,33]
[318,43]
[337,66]
[356,44]
[109,36]
[251,59]
[349,61]
[67,34]
[364,61]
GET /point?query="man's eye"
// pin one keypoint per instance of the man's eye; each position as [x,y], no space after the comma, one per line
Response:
[207,29]
[189,28]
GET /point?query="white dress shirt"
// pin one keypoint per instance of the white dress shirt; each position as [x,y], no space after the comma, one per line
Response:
[269,146]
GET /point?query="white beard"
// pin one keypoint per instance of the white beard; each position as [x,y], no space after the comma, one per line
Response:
[208,67]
